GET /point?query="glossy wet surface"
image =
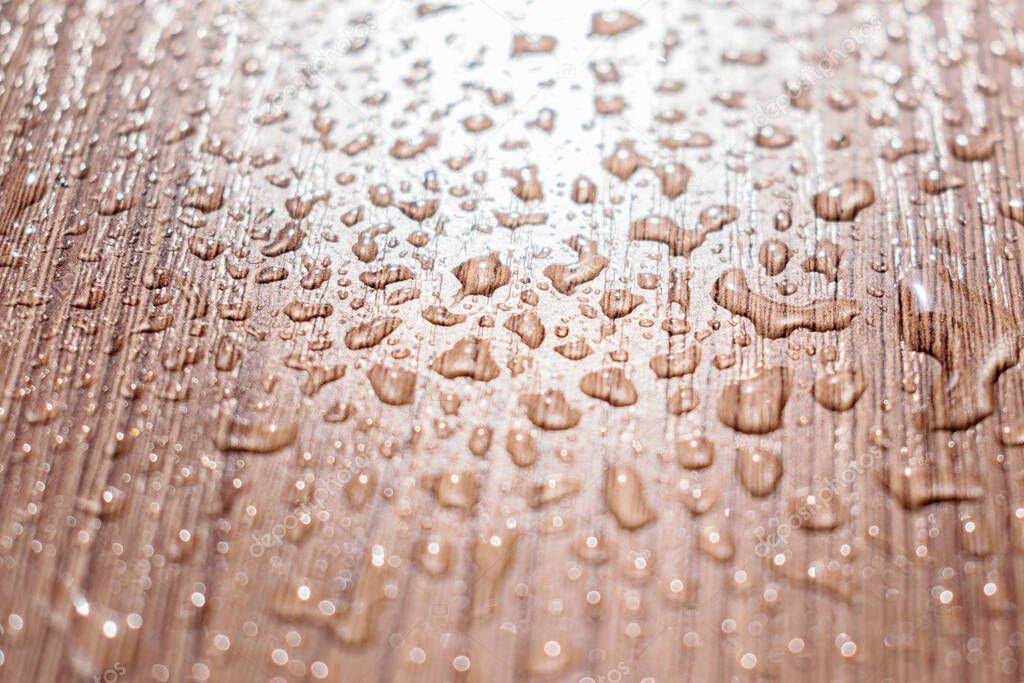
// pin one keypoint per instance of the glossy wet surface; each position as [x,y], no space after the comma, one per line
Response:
[476,341]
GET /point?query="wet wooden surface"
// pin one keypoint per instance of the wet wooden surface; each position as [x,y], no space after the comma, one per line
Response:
[497,342]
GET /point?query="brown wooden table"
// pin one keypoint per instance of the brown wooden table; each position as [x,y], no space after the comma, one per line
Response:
[481,341]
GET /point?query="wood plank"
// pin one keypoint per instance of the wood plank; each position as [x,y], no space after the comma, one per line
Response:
[481,341]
